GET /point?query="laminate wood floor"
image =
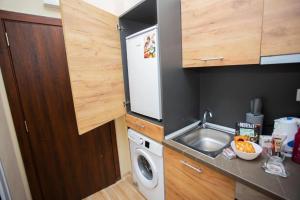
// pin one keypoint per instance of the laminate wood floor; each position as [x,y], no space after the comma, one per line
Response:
[121,190]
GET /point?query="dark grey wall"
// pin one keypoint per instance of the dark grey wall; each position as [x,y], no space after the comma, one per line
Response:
[143,12]
[227,92]
[180,87]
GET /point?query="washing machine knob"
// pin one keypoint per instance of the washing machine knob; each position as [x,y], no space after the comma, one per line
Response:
[141,141]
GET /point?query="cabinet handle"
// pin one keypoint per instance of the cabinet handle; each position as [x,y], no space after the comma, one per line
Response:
[141,126]
[212,58]
[190,166]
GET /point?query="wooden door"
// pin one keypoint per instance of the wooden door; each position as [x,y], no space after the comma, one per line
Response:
[67,166]
[219,33]
[186,179]
[281,27]
[94,60]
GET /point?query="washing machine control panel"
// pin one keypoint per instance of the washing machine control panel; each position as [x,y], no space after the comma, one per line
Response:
[141,141]
[145,142]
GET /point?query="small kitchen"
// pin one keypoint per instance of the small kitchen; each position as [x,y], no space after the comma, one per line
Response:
[232,84]
[209,92]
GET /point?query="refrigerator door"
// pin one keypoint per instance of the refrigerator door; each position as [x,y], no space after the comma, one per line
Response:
[144,73]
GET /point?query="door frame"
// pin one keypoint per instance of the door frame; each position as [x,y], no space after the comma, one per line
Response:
[12,90]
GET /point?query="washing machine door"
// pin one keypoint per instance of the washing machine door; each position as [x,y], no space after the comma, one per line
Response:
[145,169]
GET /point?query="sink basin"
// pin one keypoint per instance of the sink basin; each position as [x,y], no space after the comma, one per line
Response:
[205,140]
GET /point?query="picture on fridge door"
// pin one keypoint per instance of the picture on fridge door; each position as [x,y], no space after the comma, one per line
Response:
[149,46]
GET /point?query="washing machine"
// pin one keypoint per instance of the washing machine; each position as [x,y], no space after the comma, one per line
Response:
[147,165]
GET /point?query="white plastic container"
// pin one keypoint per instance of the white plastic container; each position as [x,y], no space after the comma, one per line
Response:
[288,127]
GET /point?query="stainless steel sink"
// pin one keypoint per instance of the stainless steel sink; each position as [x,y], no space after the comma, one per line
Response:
[205,140]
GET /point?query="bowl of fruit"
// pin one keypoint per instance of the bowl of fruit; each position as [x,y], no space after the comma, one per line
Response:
[245,149]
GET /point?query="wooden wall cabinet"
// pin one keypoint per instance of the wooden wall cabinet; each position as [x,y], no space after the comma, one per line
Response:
[188,179]
[281,27]
[219,33]
[94,59]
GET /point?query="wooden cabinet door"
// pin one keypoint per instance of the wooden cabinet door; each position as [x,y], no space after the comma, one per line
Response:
[281,27]
[60,164]
[189,180]
[218,32]
[94,62]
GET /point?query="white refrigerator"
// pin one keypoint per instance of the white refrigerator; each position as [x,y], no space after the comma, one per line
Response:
[144,73]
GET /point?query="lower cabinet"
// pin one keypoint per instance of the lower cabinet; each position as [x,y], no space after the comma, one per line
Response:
[188,179]
[145,127]
[244,192]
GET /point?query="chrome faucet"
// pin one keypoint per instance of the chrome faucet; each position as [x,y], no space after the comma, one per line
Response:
[203,122]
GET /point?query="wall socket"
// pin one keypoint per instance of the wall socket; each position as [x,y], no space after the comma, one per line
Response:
[298,95]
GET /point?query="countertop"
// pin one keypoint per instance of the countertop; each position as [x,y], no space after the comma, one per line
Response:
[250,173]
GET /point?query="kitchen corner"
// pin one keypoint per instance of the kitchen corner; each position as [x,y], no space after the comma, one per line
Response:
[249,173]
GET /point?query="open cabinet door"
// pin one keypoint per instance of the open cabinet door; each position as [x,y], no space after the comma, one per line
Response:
[94,60]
